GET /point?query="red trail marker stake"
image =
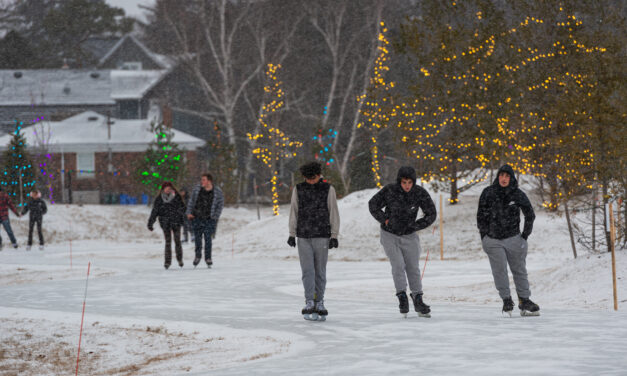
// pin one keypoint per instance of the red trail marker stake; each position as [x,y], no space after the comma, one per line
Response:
[78,356]
[425,267]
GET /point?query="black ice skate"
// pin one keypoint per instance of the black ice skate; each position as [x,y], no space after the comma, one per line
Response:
[420,307]
[209,263]
[403,303]
[166,265]
[320,311]
[308,310]
[528,308]
[196,261]
[508,306]
[180,263]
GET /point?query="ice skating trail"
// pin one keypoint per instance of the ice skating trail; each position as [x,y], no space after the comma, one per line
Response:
[253,308]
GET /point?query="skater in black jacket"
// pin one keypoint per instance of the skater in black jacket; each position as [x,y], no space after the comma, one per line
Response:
[36,207]
[395,207]
[170,210]
[498,219]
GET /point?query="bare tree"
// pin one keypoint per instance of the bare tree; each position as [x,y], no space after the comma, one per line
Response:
[351,44]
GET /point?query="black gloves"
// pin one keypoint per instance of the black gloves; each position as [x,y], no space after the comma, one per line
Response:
[333,243]
[291,241]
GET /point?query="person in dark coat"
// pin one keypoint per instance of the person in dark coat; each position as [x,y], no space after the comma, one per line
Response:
[5,205]
[315,221]
[498,220]
[203,210]
[36,207]
[395,207]
[170,210]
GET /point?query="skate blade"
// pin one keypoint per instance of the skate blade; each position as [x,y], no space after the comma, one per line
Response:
[507,313]
[307,316]
[529,313]
[426,315]
[404,315]
[322,318]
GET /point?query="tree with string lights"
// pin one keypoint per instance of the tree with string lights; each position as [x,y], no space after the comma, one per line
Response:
[378,110]
[162,161]
[273,144]
[18,175]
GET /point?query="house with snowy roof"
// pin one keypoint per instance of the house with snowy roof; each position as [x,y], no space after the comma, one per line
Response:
[90,156]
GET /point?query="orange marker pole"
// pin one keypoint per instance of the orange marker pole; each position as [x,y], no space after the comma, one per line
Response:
[78,356]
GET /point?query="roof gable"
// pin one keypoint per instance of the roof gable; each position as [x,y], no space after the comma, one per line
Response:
[130,49]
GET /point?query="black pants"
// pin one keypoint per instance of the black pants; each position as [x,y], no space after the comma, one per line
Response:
[168,230]
[31,225]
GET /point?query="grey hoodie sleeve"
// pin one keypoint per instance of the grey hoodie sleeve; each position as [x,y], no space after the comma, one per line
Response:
[293,213]
[218,203]
[334,213]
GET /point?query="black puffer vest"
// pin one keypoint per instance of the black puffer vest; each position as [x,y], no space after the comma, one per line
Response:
[313,210]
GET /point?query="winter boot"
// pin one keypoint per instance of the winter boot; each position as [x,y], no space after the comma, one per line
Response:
[420,306]
[403,303]
[508,306]
[321,311]
[308,310]
[528,308]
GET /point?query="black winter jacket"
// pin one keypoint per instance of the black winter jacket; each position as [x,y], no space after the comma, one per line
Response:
[169,213]
[498,215]
[36,208]
[401,208]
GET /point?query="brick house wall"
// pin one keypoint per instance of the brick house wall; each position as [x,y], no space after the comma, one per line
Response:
[103,186]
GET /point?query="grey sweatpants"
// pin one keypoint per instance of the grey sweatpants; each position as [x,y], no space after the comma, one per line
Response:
[512,251]
[404,254]
[313,254]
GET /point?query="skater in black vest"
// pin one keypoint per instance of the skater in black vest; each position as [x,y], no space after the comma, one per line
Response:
[498,219]
[36,207]
[170,210]
[315,220]
[395,207]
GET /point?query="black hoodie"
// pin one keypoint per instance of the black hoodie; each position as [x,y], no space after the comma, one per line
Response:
[498,215]
[401,208]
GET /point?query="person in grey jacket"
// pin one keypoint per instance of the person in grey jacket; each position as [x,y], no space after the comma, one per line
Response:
[315,220]
[395,207]
[498,220]
[203,210]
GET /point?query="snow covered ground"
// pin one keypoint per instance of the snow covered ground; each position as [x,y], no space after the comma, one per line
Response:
[242,317]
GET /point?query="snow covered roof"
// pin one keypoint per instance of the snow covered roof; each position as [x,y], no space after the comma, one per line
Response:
[129,84]
[54,87]
[161,60]
[88,131]
[70,87]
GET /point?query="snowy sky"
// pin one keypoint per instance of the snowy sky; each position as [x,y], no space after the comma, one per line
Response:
[131,7]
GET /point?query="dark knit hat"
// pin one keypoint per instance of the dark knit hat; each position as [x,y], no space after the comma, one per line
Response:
[311,169]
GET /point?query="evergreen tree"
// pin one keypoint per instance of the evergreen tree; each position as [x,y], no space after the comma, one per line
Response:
[18,177]
[162,161]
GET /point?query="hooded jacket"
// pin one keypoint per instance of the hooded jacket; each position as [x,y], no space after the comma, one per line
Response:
[498,215]
[170,212]
[36,207]
[400,208]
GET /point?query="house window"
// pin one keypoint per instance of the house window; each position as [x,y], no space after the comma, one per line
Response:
[132,65]
[129,109]
[85,165]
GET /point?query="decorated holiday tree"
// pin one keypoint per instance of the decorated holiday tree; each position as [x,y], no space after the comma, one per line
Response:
[163,161]
[18,177]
